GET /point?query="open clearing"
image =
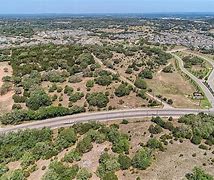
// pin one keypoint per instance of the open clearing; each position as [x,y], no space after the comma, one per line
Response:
[6,100]
[174,86]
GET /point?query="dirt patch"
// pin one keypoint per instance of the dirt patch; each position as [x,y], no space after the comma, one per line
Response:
[6,101]
[90,160]
[39,172]
[14,165]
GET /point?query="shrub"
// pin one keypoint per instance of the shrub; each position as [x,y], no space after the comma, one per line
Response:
[155,129]
[107,164]
[74,79]
[146,74]
[83,174]
[123,90]
[196,139]
[84,145]
[17,106]
[104,80]
[73,155]
[198,174]
[140,83]
[57,170]
[5,88]
[110,176]
[202,146]
[141,93]
[97,99]
[125,162]
[17,116]
[76,96]
[19,99]
[154,144]
[142,159]
[124,121]
[37,99]
[90,84]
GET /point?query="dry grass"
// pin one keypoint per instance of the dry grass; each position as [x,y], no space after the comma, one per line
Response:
[174,86]
[6,100]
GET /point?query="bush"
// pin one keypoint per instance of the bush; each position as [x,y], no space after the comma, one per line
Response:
[37,99]
[204,147]
[196,139]
[19,99]
[83,174]
[85,145]
[124,121]
[155,129]
[158,120]
[154,144]
[5,88]
[107,164]
[76,96]
[110,176]
[90,84]
[146,74]
[141,93]
[57,170]
[17,116]
[140,83]
[104,80]
[123,90]
[142,159]
[198,174]
[73,155]
[125,162]
[68,90]
[97,99]
[66,138]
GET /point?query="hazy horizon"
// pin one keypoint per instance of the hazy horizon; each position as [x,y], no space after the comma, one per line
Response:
[106,6]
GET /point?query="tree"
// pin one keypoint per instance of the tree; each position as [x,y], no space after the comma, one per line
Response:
[83,174]
[125,161]
[142,159]
[98,99]
[71,156]
[123,90]
[140,83]
[196,139]
[155,129]
[146,74]
[90,84]
[104,80]
[85,145]
[199,174]
[37,99]
[154,144]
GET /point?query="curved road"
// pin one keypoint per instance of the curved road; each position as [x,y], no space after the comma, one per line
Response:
[210,80]
[200,83]
[102,116]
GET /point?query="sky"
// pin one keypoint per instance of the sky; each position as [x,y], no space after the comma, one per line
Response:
[104,6]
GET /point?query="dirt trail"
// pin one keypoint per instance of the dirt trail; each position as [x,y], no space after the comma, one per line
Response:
[6,100]
[122,78]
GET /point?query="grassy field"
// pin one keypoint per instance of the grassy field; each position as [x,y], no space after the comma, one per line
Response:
[175,87]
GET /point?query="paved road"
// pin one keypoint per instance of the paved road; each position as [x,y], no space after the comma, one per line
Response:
[102,116]
[200,83]
[210,80]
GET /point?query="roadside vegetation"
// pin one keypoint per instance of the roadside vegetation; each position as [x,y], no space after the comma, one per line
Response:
[30,146]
